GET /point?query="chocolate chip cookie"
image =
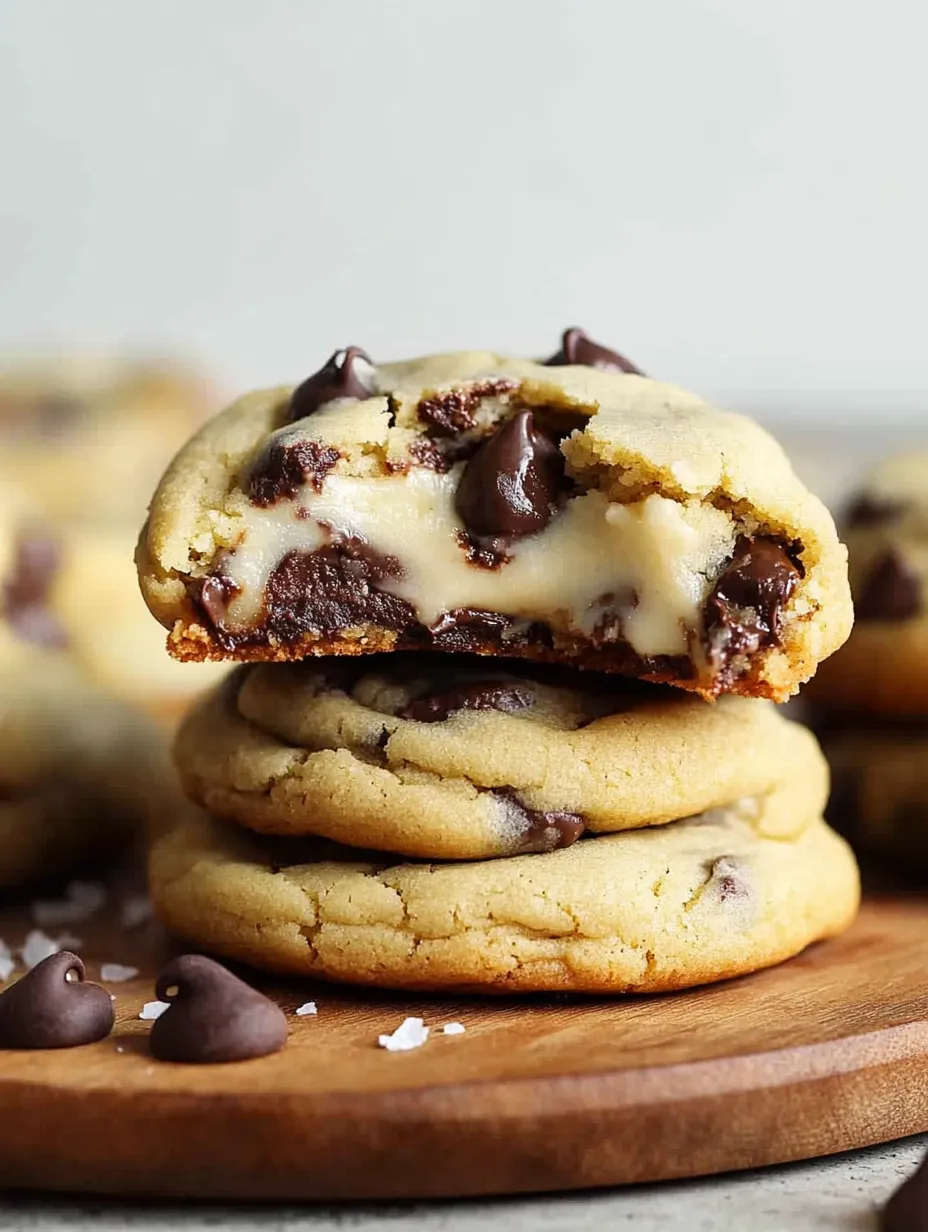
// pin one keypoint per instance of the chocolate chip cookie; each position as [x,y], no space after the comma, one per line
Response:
[455,757]
[88,437]
[880,797]
[80,773]
[569,510]
[883,669]
[645,911]
[54,584]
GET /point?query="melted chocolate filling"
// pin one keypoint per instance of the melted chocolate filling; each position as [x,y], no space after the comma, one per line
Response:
[506,696]
[283,468]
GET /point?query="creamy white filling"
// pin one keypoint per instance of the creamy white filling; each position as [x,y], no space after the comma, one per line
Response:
[666,553]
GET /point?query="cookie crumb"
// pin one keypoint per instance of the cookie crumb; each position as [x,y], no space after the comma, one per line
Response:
[82,899]
[135,911]
[115,973]
[411,1033]
[154,1009]
[7,962]
[309,1007]
[453,1028]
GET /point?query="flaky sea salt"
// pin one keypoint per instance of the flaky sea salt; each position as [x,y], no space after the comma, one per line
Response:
[453,1028]
[82,900]
[37,947]
[135,911]
[411,1033]
[7,962]
[308,1008]
[154,1009]
[115,973]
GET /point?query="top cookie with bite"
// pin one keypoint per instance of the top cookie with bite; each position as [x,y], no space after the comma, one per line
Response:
[568,510]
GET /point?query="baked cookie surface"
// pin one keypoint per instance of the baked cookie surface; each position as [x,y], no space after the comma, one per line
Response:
[883,668]
[454,757]
[472,502]
[644,911]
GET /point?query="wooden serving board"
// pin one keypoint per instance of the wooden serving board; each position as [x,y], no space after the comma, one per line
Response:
[825,1053]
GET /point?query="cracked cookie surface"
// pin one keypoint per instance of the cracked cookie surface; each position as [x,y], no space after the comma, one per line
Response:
[644,911]
[451,757]
[473,502]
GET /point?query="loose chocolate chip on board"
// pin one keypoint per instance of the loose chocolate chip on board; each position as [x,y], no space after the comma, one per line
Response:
[342,376]
[542,831]
[283,468]
[891,591]
[44,1009]
[578,348]
[506,696]
[743,611]
[510,486]
[213,1016]
[907,1209]
[24,595]
[868,510]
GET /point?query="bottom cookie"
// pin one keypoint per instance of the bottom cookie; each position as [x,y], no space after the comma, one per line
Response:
[643,911]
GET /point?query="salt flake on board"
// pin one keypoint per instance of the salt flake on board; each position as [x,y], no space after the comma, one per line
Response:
[411,1033]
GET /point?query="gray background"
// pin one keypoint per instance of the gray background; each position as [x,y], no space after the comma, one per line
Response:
[732,191]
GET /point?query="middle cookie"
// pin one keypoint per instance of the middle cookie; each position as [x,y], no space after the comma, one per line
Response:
[452,758]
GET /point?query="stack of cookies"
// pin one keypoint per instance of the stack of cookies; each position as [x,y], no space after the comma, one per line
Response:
[871,701]
[509,635]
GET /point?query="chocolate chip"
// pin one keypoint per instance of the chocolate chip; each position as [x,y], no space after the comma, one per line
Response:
[333,589]
[728,875]
[452,410]
[742,613]
[539,831]
[907,1209]
[212,1015]
[505,696]
[890,592]
[283,468]
[213,595]
[465,628]
[578,348]
[868,510]
[26,592]
[509,488]
[44,1009]
[342,376]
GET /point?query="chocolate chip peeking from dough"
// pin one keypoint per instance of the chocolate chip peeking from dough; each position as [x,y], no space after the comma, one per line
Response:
[283,468]
[213,1016]
[44,1009]
[24,596]
[506,696]
[540,831]
[907,1209]
[578,348]
[890,592]
[729,878]
[742,613]
[510,486]
[452,411]
[341,376]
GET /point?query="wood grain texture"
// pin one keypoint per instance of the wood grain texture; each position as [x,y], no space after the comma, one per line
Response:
[825,1053]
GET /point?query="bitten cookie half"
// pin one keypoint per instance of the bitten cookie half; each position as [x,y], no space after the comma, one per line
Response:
[566,511]
[645,911]
[454,757]
[883,669]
